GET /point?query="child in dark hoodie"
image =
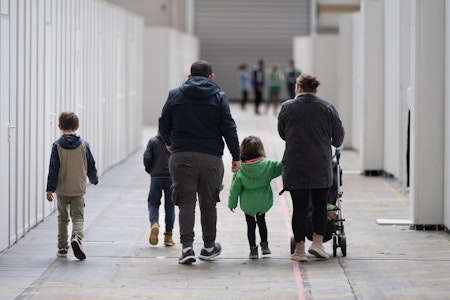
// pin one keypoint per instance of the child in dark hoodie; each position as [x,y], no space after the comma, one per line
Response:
[70,162]
[156,162]
[252,185]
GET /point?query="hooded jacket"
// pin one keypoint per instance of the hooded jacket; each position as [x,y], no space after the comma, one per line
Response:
[196,118]
[252,185]
[70,162]
[310,126]
[156,158]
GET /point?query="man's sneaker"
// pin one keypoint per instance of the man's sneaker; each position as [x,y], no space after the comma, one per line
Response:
[205,255]
[253,252]
[187,257]
[77,248]
[265,248]
[154,231]
[62,252]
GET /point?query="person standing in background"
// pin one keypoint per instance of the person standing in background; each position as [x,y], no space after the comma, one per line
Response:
[258,84]
[291,74]
[275,80]
[244,83]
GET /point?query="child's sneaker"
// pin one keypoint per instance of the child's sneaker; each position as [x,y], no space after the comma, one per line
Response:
[265,248]
[253,252]
[77,247]
[62,252]
[154,231]
[209,255]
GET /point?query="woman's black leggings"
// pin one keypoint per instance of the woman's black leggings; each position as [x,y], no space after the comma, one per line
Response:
[300,202]
[251,228]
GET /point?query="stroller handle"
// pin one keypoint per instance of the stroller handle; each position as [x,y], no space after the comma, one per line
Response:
[337,154]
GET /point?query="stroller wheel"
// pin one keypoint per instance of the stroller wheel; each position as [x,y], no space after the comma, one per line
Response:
[344,246]
[335,245]
[292,245]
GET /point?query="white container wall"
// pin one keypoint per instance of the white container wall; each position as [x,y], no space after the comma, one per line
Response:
[447,120]
[358,84]
[58,55]
[317,56]
[344,76]
[427,112]
[372,79]
[169,54]
[394,158]
[405,88]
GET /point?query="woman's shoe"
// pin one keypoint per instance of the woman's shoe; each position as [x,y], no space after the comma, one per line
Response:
[298,257]
[318,252]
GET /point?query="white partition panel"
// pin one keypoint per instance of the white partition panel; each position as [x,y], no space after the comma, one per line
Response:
[57,55]
[317,55]
[12,135]
[302,53]
[168,55]
[18,186]
[373,85]
[358,84]
[447,120]
[48,120]
[405,86]
[4,120]
[345,76]
[427,112]
[394,157]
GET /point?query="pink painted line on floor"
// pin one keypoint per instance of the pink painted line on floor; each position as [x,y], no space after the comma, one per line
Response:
[287,219]
[295,267]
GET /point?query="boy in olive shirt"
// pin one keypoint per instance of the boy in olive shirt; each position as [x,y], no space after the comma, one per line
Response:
[70,162]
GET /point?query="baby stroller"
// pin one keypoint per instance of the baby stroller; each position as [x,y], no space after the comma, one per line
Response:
[335,224]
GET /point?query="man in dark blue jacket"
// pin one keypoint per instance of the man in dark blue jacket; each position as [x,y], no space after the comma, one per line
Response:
[194,123]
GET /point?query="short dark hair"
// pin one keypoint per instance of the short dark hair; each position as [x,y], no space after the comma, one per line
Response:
[68,121]
[201,68]
[252,147]
[308,83]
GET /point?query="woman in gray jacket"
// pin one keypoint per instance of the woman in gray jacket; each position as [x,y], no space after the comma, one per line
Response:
[310,126]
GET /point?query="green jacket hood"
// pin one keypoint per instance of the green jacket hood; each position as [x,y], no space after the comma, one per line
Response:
[251,185]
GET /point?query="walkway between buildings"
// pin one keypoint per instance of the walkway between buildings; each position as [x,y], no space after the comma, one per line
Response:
[382,262]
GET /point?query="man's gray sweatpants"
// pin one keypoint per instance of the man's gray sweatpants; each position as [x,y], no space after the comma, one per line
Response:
[196,173]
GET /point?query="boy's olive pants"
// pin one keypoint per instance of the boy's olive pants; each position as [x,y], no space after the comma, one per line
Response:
[72,206]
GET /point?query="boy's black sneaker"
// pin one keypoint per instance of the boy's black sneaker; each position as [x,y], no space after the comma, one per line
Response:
[265,248]
[253,252]
[187,257]
[77,248]
[205,255]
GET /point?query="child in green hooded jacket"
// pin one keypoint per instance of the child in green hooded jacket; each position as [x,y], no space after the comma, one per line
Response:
[252,185]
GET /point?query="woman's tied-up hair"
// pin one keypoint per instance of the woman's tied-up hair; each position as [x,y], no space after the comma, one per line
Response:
[308,83]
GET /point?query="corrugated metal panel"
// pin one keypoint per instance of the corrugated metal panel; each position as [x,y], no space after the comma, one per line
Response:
[234,31]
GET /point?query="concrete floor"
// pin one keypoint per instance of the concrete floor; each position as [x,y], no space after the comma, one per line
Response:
[382,262]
